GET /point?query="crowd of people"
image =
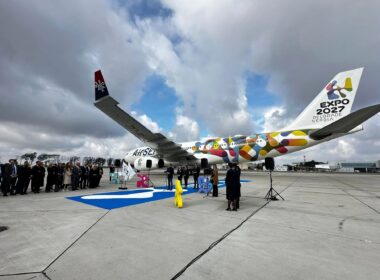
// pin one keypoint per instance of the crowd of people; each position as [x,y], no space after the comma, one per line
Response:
[15,179]
[184,173]
[233,185]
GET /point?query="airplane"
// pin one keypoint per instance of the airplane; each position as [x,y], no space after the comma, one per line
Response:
[327,117]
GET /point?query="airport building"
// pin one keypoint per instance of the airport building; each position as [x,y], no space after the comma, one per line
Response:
[315,166]
[369,167]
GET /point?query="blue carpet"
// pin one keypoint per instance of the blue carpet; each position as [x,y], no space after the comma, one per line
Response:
[118,199]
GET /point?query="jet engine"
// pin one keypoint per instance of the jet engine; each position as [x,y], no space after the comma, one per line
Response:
[146,163]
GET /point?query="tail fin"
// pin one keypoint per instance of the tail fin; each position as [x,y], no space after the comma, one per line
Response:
[332,103]
[100,86]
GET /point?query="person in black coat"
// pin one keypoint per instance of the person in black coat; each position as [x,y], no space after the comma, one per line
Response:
[82,179]
[180,173]
[93,176]
[75,176]
[238,172]
[196,173]
[5,174]
[1,174]
[38,176]
[51,179]
[24,175]
[186,175]
[60,174]
[232,188]
[170,173]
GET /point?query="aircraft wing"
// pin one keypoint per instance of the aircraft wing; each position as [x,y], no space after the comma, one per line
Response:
[165,148]
[346,123]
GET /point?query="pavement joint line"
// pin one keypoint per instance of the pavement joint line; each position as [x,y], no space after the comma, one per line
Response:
[47,276]
[321,214]
[212,245]
[21,273]
[354,187]
[316,231]
[75,241]
[354,197]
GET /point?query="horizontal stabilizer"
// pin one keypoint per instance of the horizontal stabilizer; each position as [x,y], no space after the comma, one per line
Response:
[347,123]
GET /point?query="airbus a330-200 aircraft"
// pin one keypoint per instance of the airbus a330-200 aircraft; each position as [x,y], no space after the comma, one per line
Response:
[327,117]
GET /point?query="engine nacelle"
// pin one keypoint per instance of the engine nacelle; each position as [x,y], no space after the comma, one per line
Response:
[146,163]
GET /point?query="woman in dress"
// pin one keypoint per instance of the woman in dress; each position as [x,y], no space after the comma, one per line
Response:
[67,176]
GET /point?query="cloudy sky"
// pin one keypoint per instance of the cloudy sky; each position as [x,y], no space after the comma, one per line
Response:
[189,69]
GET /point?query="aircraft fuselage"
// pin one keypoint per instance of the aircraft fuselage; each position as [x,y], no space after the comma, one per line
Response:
[234,149]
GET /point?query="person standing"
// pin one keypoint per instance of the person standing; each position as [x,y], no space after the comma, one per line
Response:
[38,176]
[34,177]
[170,174]
[112,171]
[83,177]
[238,172]
[13,177]
[186,176]
[87,175]
[1,174]
[6,174]
[94,176]
[231,188]
[196,173]
[215,181]
[99,175]
[75,176]
[180,172]
[60,174]
[51,177]
[67,176]
[25,174]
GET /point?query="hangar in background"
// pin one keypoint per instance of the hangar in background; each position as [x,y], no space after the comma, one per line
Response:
[370,167]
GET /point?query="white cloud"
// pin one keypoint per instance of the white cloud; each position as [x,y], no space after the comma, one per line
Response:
[275,119]
[185,128]
[49,50]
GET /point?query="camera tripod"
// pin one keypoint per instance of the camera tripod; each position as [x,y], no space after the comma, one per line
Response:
[272,193]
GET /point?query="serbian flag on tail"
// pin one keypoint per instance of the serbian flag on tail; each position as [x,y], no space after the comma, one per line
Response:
[100,86]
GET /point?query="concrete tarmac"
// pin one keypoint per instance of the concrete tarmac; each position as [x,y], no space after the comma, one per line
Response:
[328,227]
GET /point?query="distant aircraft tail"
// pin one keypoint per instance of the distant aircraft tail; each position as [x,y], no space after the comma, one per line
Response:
[100,86]
[331,104]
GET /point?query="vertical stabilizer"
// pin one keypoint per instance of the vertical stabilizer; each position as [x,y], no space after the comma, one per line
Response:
[332,103]
[100,86]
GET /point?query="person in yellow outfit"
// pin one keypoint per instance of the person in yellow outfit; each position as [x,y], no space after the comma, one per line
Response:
[178,194]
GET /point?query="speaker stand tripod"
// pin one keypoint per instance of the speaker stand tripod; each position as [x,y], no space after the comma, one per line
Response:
[150,183]
[272,193]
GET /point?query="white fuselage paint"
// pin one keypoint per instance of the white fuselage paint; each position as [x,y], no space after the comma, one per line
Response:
[205,150]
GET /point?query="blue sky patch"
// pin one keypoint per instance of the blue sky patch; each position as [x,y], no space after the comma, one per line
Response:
[145,9]
[258,96]
[158,102]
